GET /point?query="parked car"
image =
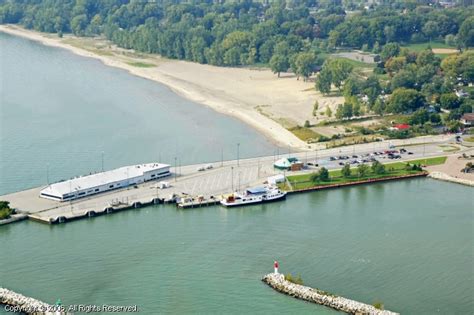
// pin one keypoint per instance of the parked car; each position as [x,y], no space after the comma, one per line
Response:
[201,168]
[209,166]
[410,153]
[332,158]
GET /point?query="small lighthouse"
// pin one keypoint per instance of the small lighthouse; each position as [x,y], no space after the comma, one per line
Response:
[275,265]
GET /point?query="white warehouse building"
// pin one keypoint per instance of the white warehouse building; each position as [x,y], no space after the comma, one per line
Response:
[105,181]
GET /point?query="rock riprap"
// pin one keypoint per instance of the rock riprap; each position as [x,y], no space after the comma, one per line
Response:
[278,282]
[16,302]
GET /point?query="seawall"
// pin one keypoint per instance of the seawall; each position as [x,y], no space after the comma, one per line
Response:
[360,182]
[445,177]
[20,303]
[278,282]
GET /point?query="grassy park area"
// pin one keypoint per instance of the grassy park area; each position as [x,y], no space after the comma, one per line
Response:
[358,173]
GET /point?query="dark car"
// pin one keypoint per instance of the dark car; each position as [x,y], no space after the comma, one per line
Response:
[410,153]
[341,163]
[332,158]
[403,150]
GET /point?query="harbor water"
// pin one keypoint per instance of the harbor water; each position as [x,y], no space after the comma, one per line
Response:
[408,244]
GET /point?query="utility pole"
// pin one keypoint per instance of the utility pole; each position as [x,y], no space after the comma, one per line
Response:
[222,157]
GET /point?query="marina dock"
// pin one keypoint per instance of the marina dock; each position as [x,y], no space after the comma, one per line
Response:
[191,186]
[277,281]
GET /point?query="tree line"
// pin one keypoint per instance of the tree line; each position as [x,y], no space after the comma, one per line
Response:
[284,34]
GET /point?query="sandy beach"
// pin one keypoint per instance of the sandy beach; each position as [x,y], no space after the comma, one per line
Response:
[255,96]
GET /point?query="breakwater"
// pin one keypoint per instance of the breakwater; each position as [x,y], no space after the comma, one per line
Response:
[445,177]
[278,282]
[16,302]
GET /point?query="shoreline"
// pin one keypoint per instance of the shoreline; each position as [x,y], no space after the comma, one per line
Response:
[162,71]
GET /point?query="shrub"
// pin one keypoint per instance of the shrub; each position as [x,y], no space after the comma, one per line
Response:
[378,305]
[5,210]
[307,124]
[297,280]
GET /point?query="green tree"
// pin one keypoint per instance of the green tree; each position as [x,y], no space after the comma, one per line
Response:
[323,174]
[346,171]
[389,50]
[379,107]
[323,80]
[315,108]
[340,70]
[79,24]
[431,29]
[466,32]
[305,63]
[362,170]
[378,168]
[328,111]
[419,117]
[279,63]
[449,101]
[403,100]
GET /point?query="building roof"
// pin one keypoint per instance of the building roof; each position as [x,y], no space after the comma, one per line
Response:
[99,179]
[468,116]
[256,190]
[402,126]
[286,162]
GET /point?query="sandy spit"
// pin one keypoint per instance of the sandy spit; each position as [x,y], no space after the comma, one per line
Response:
[256,97]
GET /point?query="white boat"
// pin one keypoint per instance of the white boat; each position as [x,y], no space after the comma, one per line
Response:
[253,196]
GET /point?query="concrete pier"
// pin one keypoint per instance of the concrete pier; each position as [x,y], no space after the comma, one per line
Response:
[202,186]
[16,302]
[278,282]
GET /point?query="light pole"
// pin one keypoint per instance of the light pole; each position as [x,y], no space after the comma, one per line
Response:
[238,153]
[102,161]
[238,186]
[47,173]
[175,169]
[222,157]
[232,177]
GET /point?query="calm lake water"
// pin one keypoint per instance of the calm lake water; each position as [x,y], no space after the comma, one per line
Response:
[408,243]
[64,110]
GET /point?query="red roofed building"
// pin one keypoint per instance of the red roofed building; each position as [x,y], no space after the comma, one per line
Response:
[402,126]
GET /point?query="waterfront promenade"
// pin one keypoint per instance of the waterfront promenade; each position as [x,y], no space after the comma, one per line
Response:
[224,177]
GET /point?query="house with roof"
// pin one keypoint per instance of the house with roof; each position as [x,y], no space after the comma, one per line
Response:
[467,119]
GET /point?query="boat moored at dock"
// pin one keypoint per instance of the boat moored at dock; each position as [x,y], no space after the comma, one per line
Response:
[254,196]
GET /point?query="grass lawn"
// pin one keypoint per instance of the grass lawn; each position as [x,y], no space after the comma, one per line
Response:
[141,64]
[357,64]
[392,169]
[469,139]
[422,46]
[305,134]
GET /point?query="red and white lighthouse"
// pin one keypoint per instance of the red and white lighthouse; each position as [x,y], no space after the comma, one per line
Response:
[275,265]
